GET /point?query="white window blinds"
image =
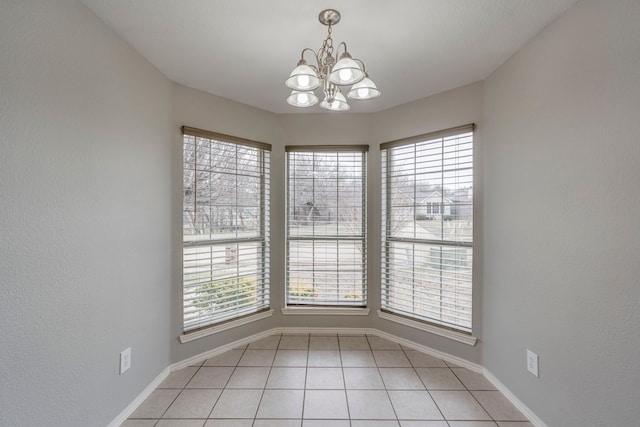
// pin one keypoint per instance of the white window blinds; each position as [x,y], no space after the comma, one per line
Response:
[326,225]
[225,227]
[427,227]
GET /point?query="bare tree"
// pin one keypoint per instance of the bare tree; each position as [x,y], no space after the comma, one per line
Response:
[222,186]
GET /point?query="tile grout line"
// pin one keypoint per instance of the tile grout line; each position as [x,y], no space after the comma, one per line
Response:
[255,415]
[472,395]
[425,386]
[346,397]
[227,382]
[306,372]
[179,393]
[395,413]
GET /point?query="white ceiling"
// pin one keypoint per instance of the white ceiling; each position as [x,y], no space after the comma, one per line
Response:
[245,49]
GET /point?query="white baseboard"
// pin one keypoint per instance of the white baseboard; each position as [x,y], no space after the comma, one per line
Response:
[139,399]
[195,360]
[533,418]
[323,331]
[370,331]
[432,329]
[430,351]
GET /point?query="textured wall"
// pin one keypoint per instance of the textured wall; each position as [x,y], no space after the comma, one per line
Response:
[84,217]
[562,218]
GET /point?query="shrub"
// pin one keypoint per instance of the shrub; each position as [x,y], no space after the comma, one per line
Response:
[302,290]
[217,296]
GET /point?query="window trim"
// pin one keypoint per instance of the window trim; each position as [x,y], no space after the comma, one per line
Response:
[433,328]
[319,310]
[224,326]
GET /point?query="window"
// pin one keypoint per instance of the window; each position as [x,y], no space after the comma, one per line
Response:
[326,226]
[225,227]
[427,259]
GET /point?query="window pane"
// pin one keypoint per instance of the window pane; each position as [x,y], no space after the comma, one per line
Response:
[427,219]
[430,282]
[326,272]
[226,186]
[326,247]
[223,281]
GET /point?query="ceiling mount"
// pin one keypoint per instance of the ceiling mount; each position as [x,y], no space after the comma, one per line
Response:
[329,17]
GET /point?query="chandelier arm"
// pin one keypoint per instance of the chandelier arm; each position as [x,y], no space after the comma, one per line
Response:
[307,49]
[361,63]
[338,49]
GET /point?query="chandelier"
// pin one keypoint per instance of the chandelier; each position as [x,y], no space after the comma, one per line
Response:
[332,75]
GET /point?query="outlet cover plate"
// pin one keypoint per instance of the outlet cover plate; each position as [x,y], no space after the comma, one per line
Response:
[125,360]
[532,363]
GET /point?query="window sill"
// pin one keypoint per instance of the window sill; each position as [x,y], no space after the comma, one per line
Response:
[443,332]
[225,326]
[325,311]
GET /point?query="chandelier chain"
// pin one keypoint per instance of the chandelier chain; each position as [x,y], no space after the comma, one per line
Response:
[325,54]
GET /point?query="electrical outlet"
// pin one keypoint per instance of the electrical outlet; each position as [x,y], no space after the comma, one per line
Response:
[532,363]
[125,360]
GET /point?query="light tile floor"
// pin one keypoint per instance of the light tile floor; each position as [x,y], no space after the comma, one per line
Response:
[325,381]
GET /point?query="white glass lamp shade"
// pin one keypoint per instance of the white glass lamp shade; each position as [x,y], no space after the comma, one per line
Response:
[346,72]
[302,99]
[339,103]
[303,78]
[363,90]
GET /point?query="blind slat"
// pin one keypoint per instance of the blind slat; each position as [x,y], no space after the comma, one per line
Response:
[326,148]
[438,135]
[215,136]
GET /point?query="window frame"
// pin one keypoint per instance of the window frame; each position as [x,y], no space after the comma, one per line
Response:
[293,306]
[245,313]
[460,331]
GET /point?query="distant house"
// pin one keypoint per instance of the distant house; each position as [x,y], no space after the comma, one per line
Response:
[434,205]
